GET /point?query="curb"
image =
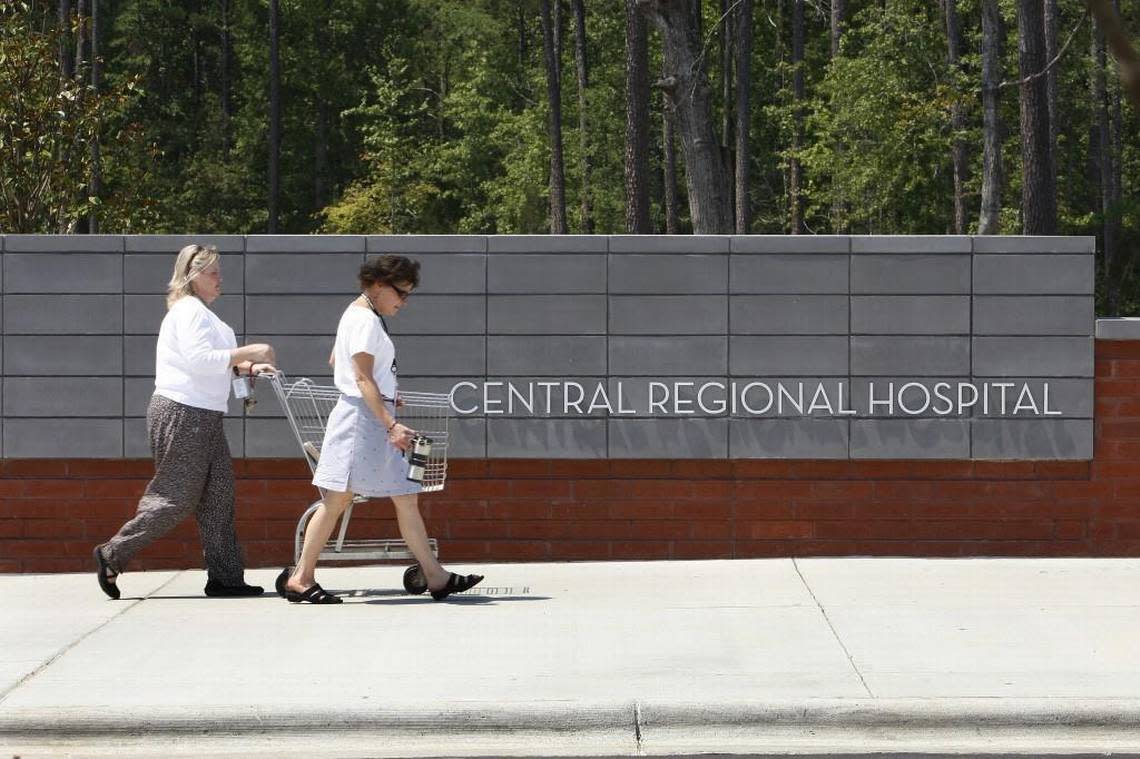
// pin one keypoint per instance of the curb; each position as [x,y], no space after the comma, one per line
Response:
[635,717]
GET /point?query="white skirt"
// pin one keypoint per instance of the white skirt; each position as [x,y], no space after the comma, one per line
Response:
[357,457]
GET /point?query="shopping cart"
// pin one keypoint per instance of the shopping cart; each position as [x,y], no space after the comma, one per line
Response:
[307,406]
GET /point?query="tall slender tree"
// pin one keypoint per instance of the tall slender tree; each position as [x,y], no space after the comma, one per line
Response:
[583,78]
[669,169]
[1038,190]
[838,14]
[726,63]
[795,169]
[554,121]
[225,85]
[636,121]
[96,187]
[1051,18]
[957,117]
[838,19]
[743,114]
[274,116]
[66,67]
[709,205]
[989,219]
[1103,160]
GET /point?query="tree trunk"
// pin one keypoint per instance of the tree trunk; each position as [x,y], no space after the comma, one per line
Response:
[580,65]
[1051,18]
[669,167]
[96,188]
[636,122]
[795,171]
[705,174]
[66,67]
[554,124]
[838,16]
[522,46]
[743,112]
[957,119]
[1038,193]
[224,75]
[322,41]
[80,39]
[1103,159]
[838,13]
[274,116]
[989,220]
[726,33]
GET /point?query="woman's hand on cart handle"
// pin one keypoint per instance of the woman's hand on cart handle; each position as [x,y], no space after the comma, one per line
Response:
[262,368]
[400,436]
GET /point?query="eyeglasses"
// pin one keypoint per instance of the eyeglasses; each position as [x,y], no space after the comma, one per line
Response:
[403,294]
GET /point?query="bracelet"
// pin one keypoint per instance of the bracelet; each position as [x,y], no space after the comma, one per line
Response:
[393,424]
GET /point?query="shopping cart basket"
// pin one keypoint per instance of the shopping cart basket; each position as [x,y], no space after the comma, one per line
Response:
[307,406]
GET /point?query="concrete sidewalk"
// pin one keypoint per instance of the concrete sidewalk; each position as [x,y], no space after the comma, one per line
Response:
[810,656]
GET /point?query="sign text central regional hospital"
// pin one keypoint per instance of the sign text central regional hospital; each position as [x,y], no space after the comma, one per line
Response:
[751,398]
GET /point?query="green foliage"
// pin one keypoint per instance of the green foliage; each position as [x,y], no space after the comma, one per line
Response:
[882,109]
[48,124]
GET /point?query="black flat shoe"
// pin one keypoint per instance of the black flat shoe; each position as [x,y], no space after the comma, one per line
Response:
[106,574]
[456,584]
[217,590]
[279,583]
[314,594]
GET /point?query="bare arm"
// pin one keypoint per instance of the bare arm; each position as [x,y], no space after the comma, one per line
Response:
[260,353]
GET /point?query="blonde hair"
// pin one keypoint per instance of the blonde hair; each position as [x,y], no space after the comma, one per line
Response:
[190,262]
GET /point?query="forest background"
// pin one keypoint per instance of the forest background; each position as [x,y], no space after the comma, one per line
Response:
[575,116]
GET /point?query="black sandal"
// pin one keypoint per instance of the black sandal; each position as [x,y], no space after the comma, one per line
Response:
[106,574]
[314,594]
[456,584]
[279,583]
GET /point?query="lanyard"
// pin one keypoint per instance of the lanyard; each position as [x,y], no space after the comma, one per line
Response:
[383,324]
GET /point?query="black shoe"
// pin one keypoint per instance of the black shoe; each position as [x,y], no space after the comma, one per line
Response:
[314,594]
[215,589]
[279,583]
[456,584]
[106,574]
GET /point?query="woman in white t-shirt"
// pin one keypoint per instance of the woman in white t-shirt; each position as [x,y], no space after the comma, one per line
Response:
[364,441]
[196,359]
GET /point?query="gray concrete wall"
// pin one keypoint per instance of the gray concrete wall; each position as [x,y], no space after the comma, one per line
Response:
[80,315]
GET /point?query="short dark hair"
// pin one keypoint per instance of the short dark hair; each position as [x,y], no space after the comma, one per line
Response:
[389,270]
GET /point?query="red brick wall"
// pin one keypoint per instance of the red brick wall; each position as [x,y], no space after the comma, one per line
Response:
[53,511]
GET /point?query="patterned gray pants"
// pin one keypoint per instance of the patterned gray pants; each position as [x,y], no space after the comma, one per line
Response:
[194,474]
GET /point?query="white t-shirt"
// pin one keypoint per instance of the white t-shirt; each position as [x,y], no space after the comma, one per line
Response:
[192,361]
[360,331]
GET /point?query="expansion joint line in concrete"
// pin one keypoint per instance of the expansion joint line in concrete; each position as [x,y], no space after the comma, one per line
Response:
[831,626]
[58,654]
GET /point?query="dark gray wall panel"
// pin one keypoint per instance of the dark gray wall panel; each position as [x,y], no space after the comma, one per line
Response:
[549,273]
[789,314]
[668,356]
[795,274]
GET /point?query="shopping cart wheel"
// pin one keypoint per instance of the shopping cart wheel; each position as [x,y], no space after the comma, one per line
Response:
[414,581]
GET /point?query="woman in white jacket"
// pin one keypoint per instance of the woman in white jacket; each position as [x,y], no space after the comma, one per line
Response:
[196,359]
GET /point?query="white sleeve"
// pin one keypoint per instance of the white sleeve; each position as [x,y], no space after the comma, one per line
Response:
[363,338]
[193,332]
